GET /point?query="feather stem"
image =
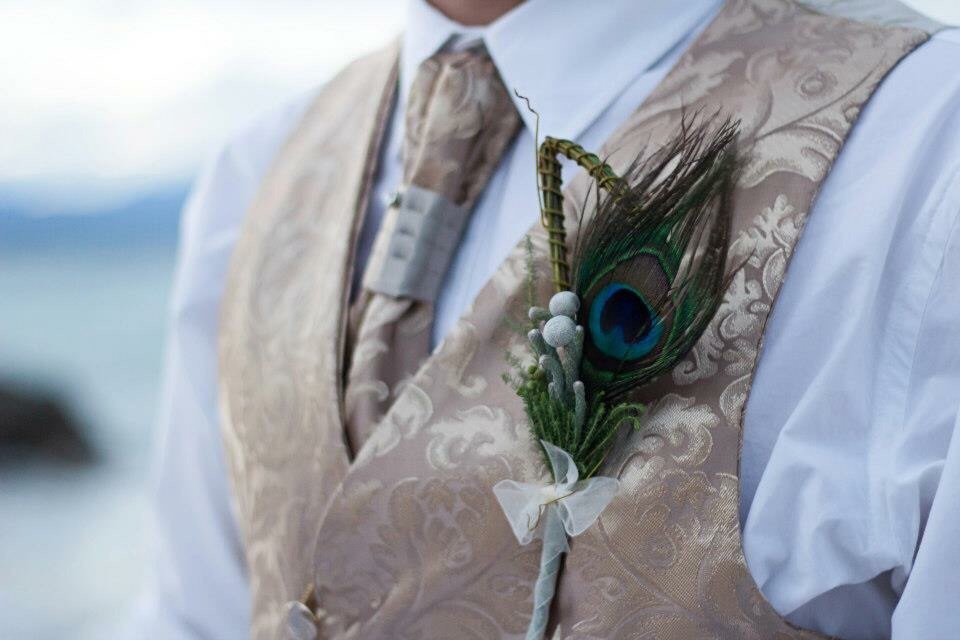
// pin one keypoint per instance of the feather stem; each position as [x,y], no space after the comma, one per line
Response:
[551,212]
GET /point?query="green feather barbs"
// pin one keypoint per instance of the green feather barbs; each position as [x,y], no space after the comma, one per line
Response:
[647,275]
[649,265]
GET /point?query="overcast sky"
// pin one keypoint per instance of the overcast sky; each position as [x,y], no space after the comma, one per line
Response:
[102,98]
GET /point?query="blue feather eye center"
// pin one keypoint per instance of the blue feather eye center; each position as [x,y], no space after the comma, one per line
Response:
[623,325]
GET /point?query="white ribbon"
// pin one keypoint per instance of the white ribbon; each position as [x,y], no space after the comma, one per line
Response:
[553,512]
[578,503]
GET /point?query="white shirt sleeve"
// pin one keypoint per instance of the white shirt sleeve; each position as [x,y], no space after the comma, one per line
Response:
[926,473]
[197,588]
[856,394]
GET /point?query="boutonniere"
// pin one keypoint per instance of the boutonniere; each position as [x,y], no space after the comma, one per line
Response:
[646,276]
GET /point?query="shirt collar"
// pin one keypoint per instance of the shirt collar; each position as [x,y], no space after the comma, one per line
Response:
[571,58]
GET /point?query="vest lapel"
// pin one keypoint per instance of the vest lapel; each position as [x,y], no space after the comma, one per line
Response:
[282,329]
[798,81]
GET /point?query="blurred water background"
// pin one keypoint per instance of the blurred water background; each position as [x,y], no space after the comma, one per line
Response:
[84,308]
[108,109]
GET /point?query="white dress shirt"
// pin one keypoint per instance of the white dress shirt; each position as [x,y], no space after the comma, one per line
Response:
[850,476]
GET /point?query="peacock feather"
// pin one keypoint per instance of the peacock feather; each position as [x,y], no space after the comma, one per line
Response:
[649,266]
[647,276]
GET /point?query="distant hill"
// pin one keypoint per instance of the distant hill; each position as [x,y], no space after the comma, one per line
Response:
[151,219]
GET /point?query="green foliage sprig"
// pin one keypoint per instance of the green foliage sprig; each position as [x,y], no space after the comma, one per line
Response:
[565,417]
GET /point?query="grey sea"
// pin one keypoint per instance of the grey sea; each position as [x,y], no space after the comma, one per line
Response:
[83,310]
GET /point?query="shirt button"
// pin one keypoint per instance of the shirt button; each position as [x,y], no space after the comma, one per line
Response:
[393,199]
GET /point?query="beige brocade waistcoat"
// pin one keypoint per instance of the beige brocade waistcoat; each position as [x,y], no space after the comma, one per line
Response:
[403,538]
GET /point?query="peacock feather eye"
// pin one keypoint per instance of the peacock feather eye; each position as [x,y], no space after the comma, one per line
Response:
[623,324]
[623,317]
[649,266]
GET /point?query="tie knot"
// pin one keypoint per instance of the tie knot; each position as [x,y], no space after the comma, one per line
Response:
[459,120]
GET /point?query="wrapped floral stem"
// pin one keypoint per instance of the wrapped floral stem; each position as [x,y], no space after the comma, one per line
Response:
[553,513]
[556,403]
